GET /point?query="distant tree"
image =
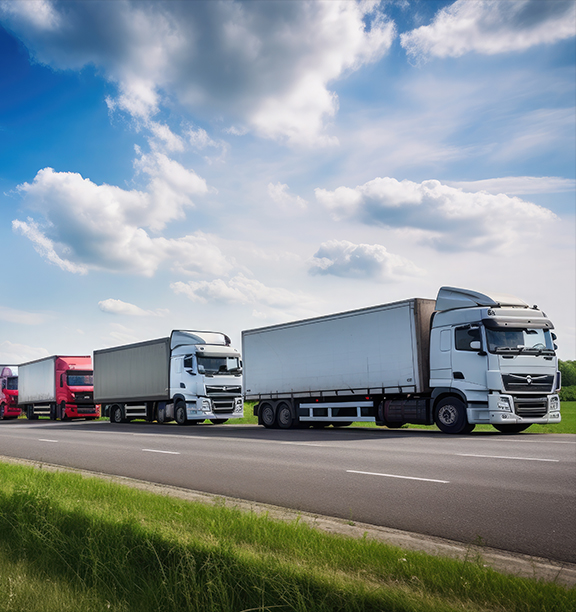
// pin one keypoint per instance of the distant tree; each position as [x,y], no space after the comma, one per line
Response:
[568,370]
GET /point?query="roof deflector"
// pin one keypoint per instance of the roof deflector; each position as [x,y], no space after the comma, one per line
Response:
[450,298]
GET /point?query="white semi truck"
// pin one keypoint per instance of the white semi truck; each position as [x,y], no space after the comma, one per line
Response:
[464,359]
[188,377]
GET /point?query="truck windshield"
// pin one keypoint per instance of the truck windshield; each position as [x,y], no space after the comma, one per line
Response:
[212,366]
[80,379]
[516,340]
[12,383]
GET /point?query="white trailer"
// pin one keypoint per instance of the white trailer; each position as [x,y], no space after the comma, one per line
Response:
[414,361]
[189,377]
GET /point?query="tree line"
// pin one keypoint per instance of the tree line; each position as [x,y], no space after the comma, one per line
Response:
[568,371]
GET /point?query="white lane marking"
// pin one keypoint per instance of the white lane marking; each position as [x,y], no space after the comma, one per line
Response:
[152,450]
[397,476]
[46,440]
[303,444]
[503,457]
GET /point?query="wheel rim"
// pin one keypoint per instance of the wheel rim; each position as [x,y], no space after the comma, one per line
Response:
[267,415]
[448,415]
[284,417]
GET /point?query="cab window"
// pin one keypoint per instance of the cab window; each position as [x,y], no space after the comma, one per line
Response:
[463,336]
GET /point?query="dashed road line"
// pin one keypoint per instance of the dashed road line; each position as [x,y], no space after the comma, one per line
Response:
[398,476]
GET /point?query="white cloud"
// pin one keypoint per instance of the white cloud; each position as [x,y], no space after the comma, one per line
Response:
[14,353]
[346,259]
[118,307]
[281,196]
[266,65]
[490,27]
[518,185]
[104,227]
[237,290]
[10,315]
[444,217]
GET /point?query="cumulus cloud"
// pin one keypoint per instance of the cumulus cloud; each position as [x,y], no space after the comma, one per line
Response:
[518,185]
[490,27]
[11,315]
[12,352]
[238,290]
[266,65]
[285,200]
[445,217]
[346,259]
[118,307]
[88,226]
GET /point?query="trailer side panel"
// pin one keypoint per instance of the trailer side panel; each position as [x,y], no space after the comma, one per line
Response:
[364,351]
[135,372]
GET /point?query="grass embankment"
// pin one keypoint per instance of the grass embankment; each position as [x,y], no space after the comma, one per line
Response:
[69,543]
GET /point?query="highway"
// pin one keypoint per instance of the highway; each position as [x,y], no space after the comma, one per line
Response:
[511,492]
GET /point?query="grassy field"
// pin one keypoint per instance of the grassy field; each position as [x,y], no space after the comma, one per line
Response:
[70,543]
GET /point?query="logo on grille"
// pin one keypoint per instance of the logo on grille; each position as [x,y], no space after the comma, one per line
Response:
[528,379]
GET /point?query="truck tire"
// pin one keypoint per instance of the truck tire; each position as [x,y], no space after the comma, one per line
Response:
[284,416]
[2,408]
[450,416]
[53,414]
[267,415]
[62,412]
[180,412]
[116,415]
[30,414]
[509,429]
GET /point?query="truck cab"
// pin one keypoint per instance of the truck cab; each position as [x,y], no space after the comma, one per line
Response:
[74,390]
[492,360]
[9,408]
[205,376]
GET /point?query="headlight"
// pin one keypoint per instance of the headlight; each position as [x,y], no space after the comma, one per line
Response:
[504,404]
[554,403]
[206,406]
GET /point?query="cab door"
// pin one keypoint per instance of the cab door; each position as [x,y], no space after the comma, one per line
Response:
[469,363]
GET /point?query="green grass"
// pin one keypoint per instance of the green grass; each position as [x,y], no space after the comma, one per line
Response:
[70,543]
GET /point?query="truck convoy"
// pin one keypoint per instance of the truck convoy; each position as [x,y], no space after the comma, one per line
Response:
[58,386]
[9,408]
[188,377]
[464,359]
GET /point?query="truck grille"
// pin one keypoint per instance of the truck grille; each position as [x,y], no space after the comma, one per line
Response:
[211,390]
[84,397]
[528,383]
[86,409]
[223,404]
[531,407]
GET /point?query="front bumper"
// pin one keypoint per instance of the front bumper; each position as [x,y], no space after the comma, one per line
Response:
[512,410]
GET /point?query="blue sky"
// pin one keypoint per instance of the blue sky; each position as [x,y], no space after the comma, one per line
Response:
[228,165]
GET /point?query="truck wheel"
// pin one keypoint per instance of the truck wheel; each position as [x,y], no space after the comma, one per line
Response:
[30,413]
[267,415]
[116,415]
[2,410]
[450,416]
[62,411]
[53,414]
[180,413]
[218,421]
[394,425]
[512,428]
[284,416]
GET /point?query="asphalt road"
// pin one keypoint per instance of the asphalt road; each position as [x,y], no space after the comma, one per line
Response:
[512,492]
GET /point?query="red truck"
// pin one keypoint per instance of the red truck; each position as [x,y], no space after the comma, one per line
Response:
[60,387]
[9,408]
